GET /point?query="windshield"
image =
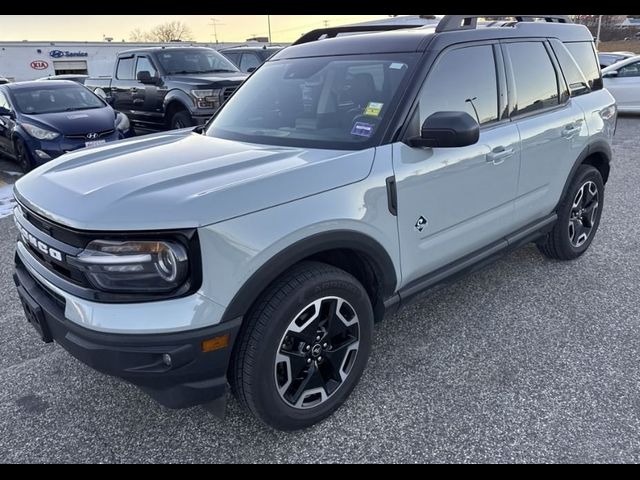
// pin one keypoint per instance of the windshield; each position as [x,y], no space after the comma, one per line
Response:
[55,99]
[180,62]
[326,102]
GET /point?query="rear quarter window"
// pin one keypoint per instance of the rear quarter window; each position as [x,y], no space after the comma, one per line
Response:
[585,56]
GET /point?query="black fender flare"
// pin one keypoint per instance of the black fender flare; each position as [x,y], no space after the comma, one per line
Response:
[372,251]
[180,97]
[600,147]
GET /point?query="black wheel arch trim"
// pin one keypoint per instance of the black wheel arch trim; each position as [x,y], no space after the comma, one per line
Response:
[597,147]
[180,97]
[372,250]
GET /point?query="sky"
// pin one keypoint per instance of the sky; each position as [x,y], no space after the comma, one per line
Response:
[230,28]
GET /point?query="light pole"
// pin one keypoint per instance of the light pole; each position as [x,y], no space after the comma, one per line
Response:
[269,25]
[598,34]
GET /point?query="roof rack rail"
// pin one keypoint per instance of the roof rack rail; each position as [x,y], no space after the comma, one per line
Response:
[332,32]
[450,23]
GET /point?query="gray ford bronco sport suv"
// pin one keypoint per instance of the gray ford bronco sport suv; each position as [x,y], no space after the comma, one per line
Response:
[346,175]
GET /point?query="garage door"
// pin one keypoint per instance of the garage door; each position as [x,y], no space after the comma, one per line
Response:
[76,66]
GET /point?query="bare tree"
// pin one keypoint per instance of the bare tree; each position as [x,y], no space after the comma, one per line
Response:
[171,31]
[166,32]
[138,35]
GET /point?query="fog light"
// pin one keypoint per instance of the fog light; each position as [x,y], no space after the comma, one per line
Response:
[166,359]
[43,155]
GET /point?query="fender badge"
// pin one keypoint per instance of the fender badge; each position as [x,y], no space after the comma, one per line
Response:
[421,223]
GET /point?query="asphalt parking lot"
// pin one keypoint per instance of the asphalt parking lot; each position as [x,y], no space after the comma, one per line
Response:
[529,360]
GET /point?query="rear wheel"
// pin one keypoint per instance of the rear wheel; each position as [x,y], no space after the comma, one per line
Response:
[578,216]
[23,157]
[181,119]
[304,346]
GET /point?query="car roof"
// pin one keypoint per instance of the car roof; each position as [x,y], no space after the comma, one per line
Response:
[621,63]
[420,38]
[162,49]
[251,48]
[33,84]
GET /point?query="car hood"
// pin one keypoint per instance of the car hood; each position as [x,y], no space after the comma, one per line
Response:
[79,122]
[209,78]
[181,179]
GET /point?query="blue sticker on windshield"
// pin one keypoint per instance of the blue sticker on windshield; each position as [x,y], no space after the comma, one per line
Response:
[362,129]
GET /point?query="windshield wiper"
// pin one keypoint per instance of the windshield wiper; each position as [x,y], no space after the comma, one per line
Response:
[220,70]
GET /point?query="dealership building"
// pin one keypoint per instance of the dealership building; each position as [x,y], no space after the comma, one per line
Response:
[20,61]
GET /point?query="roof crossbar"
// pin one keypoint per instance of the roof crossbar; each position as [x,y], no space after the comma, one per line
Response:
[332,32]
[450,23]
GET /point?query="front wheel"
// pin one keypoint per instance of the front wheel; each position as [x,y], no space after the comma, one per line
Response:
[181,119]
[304,346]
[579,215]
[23,156]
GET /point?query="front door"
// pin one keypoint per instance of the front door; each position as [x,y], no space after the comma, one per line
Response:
[147,99]
[6,126]
[455,201]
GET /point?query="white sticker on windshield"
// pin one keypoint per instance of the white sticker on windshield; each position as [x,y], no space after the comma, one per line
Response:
[396,66]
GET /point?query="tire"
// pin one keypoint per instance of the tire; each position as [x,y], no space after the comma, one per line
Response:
[579,216]
[262,378]
[181,119]
[23,156]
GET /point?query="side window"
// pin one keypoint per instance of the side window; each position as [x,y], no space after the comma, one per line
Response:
[576,81]
[3,102]
[631,70]
[125,69]
[234,57]
[144,64]
[249,60]
[585,56]
[535,77]
[462,80]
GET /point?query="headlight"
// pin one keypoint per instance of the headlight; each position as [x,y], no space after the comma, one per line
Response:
[39,133]
[134,267]
[207,98]
[122,122]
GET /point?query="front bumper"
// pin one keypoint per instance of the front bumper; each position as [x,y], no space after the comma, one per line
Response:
[60,146]
[193,377]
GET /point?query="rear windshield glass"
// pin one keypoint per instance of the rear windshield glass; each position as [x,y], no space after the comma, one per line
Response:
[57,99]
[327,102]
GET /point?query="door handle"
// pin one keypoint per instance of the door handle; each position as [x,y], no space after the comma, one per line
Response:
[499,155]
[138,101]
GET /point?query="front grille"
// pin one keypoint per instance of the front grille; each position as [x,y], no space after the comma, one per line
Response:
[59,300]
[83,136]
[227,92]
[70,238]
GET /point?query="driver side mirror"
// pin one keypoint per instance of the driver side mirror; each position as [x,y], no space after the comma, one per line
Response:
[611,74]
[145,78]
[447,130]
[5,112]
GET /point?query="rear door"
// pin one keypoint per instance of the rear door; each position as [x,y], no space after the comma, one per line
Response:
[456,201]
[551,125]
[625,86]
[123,86]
